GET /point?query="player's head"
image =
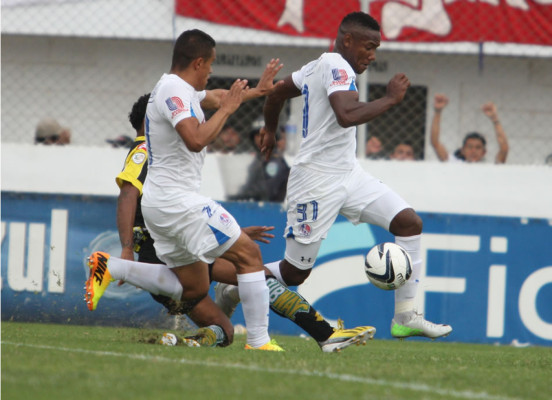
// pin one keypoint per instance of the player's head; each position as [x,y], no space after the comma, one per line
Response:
[474,147]
[191,45]
[358,37]
[138,113]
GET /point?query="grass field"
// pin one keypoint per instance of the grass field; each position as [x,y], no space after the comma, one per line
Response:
[56,362]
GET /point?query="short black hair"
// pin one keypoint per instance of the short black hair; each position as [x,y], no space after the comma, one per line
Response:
[190,45]
[137,114]
[474,135]
[358,19]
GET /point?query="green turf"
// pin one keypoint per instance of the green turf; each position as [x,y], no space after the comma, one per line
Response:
[56,362]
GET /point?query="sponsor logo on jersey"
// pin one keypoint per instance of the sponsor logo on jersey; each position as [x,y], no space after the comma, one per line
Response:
[176,105]
[340,77]
[305,230]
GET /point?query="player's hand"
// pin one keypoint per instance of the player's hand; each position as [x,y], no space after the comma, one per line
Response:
[234,97]
[397,86]
[259,233]
[268,140]
[489,109]
[266,83]
[440,101]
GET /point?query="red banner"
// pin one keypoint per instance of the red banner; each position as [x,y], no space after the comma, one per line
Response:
[293,17]
[503,21]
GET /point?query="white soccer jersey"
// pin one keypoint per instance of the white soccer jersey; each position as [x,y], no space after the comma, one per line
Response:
[325,144]
[173,170]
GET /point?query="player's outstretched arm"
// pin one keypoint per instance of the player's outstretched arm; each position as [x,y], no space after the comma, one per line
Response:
[196,135]
[265,86]
[349,111]
[266,82]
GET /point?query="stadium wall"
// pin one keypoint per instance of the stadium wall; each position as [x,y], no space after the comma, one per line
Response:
[487,254]
[102,77]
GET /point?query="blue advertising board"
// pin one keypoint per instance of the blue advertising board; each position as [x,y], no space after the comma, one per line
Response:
[489,277]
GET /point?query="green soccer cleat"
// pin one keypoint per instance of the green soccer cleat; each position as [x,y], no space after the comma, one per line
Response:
[343,338]
[419,326]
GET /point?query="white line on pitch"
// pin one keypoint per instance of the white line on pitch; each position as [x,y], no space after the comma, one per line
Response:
[418,387]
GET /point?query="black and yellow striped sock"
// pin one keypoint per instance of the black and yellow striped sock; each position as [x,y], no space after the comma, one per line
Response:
[293,306]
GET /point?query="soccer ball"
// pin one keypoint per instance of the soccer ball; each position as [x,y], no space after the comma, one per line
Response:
[388,266]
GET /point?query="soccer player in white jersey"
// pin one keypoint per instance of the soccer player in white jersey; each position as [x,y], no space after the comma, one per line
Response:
[191,230]
[326,178]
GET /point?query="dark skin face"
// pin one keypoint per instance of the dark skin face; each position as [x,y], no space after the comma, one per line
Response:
[358,46]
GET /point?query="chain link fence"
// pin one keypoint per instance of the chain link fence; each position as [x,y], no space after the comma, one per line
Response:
[85,62]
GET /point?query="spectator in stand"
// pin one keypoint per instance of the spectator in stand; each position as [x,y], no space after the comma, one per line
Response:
[49,131]
[474,145]
[374,148]
[404,150]
[227,142]
[266,179]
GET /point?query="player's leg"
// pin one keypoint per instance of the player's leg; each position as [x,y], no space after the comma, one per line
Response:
[245,255]
[104,269]
[299,260]
[143,245]
[407,228]
[288,304]
[221,236]
[215,327]
[393,213]
[314,200]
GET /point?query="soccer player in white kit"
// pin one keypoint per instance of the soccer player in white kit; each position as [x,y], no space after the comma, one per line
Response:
[191,230]
[326,178]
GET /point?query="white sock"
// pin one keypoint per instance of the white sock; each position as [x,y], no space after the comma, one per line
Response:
[254,297]
[154,278]
[274,268]
[405,296]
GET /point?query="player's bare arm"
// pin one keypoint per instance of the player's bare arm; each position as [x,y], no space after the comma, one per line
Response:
[284,90]
[264,87]
[212,99]
[350,111]
[126,211]
[266,82]
[196,135]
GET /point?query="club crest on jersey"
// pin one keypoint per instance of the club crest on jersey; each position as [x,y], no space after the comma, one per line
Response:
[138,158]
[305,230]
[340,76]
[224,219]
[176,105]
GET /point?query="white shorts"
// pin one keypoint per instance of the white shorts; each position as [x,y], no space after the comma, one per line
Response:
[315,199]
[197,228]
